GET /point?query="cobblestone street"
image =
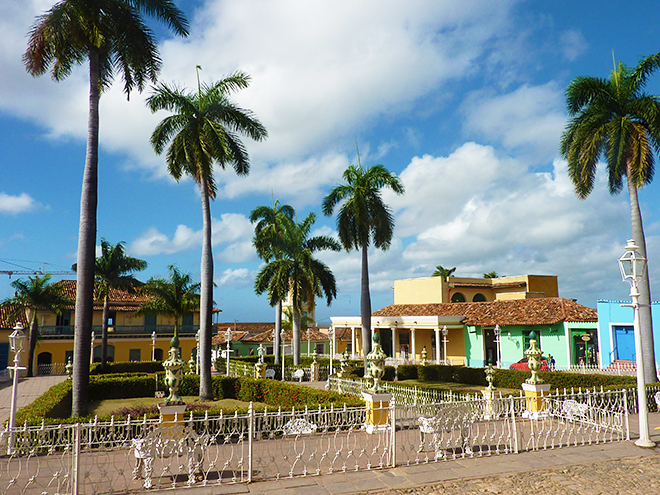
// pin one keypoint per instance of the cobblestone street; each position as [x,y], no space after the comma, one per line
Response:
[636,475]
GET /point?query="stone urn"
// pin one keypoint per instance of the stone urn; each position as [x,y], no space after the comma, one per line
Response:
[376,359]
[174,366]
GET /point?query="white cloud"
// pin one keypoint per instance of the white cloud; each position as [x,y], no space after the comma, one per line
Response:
[572,44]
[529,119]
[240,277]
[22,203]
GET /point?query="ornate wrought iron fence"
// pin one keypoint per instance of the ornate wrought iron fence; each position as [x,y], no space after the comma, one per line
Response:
[132,456]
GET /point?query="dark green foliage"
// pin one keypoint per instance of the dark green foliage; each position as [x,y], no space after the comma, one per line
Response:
[55,402]
[390,373]
[407,372]
[127,367]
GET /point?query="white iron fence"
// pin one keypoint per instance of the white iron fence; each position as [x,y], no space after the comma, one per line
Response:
[129,456]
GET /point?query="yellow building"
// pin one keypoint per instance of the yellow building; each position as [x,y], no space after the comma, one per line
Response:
[130,337]
[434,290]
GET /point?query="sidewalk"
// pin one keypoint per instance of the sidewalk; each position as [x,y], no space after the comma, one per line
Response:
[28,390]
[607,468]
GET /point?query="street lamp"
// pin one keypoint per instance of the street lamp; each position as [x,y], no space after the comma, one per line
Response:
[282,336]
[632,267]
[309,336]
[197,354]
[91,359]
[445,332]
[228,340]
[153,345]
[16,343]
[331,334]
[498,341]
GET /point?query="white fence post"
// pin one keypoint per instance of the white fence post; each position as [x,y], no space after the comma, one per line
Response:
[393,430]
[513,424]
[76,459]
[250,435]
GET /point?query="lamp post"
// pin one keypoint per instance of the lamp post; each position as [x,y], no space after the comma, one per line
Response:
[228,340]
[282,336]
[91,359]
[632,267]
[197,354]
[331,334]
[309,335]
[153,345]
[16,343]
[498,341]
[445,332]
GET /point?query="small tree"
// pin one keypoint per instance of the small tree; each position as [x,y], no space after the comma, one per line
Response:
[35,294]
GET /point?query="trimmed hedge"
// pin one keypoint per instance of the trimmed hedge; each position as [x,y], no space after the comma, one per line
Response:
[127,367]
[54,406]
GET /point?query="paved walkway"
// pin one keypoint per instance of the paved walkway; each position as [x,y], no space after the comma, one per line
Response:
[28,390]
[610,468]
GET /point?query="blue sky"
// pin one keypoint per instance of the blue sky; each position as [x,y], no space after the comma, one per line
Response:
[464,100]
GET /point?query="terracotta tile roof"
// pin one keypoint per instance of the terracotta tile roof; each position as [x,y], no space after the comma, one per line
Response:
[343,333]
[219,339]
[267,337]
[541,311]
[6,322]
[252,328]
[120,300]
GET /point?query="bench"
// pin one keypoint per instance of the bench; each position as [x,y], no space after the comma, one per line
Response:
[270,373]
[574,410]
[447,422]
[299,374]
[165,442]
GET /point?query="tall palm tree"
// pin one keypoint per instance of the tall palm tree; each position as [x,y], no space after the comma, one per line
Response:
[174,296]
[113,270]
[269,228]
[33,295]
[111,35]
[363,218]
[204,131]
[298,273]
[614,118]
[441,271]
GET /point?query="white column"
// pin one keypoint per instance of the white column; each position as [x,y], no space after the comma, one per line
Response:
[437,345]
[413,351]
[393,330]
[352,342]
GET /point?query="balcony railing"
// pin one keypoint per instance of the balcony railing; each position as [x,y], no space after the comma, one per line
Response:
[68,330]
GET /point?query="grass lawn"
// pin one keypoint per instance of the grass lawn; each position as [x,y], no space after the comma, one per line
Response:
[111,406]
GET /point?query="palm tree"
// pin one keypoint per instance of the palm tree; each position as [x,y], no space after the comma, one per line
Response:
[363,218]
[287,323]
[492,274]
[298,273]
[113,270]
[37,293]
[203,131]
[175,296]
[441,271]
[269,228]
[614,118]
[112,37]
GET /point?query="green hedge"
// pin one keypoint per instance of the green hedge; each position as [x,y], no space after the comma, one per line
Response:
[54,406]
[127,367]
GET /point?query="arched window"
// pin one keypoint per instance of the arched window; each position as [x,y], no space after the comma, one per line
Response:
[479,297]
[457,297]
[44,363]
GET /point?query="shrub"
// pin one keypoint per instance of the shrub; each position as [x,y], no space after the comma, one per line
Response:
[127,367]
[407,372]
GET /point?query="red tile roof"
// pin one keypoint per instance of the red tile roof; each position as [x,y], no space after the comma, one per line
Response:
[6,321]
[541,311]
[267,337]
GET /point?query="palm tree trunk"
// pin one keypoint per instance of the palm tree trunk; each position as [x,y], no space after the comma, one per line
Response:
[86,249]
[365,307]
[34,333]
[645,320]
[295,340]
[206,300]
[278,329]
[104,333]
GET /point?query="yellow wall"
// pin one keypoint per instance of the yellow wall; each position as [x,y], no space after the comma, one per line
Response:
[425,290]
[58,348]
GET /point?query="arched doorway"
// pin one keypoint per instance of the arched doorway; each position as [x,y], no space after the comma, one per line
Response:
[44,363]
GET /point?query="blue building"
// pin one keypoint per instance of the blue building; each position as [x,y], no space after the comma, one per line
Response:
[615,331]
